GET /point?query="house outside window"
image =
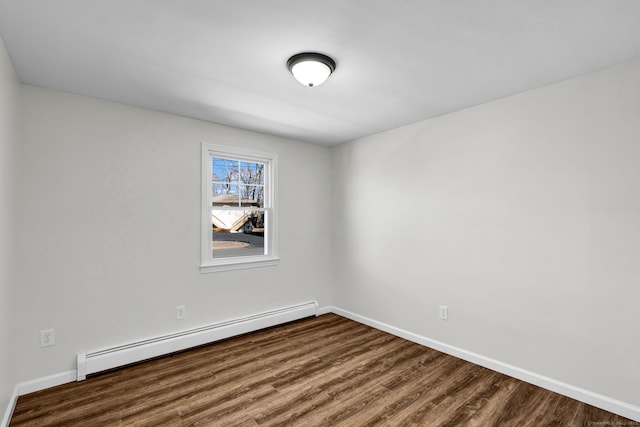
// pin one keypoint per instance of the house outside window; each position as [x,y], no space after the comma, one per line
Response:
[238,208]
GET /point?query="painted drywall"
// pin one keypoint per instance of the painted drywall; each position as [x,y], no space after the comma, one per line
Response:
[522,216]
[109,220]
[8,136]
[8,105]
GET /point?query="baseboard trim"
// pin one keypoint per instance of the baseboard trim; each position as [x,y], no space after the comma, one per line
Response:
[49,381]
[10,407]
[325,310]
[600,401]
[32,386]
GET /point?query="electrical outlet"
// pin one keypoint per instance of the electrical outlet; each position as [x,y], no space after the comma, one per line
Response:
[181,312]
[47,338]
[444,312]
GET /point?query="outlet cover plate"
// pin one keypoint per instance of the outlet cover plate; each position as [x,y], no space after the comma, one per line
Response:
[181,312]
[47,338]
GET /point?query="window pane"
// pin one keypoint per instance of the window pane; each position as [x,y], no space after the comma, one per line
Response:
[252,195]
[252,173]
[241,178]
[225,170]
[225,195]
[237,233]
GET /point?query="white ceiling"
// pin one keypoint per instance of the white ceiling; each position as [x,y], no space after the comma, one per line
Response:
[397,61]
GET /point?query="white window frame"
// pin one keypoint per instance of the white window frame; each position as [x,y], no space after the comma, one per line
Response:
[208,263]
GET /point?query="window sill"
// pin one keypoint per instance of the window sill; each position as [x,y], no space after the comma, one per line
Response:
[238,264]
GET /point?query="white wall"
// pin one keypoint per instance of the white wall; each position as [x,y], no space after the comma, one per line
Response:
[109,203]
[8,105]
[521,215]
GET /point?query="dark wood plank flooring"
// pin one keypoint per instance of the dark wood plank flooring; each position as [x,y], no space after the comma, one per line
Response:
[324,371]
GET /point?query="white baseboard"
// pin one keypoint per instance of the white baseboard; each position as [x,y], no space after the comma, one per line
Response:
[49,381]
[600,401]
[32,386]
[325,310]
[10,407]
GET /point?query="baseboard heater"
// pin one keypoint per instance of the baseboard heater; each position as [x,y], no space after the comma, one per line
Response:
[102,360]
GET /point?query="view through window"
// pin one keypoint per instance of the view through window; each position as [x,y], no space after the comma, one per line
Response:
[237,213]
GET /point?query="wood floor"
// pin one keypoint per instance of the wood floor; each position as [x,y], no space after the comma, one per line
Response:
[324,371]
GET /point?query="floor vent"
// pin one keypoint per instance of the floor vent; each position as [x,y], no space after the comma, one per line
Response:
[102,360]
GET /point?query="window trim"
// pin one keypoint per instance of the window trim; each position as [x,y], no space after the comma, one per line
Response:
[209,264]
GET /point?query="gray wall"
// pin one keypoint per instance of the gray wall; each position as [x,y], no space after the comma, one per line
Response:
[521,215]
[109,202]
[8,136]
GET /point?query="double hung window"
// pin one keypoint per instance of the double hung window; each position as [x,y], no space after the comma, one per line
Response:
[238,208]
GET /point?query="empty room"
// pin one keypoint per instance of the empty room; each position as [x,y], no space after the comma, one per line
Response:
[345,213]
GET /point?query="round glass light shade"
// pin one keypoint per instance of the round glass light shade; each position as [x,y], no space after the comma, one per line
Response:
[311,69]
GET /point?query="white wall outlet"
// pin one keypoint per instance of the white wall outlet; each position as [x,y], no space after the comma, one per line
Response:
[181,312]
[444,312]
[47,337]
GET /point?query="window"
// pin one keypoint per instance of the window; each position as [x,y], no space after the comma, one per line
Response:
[238,208]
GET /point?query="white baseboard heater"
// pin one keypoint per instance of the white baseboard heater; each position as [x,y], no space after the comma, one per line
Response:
[102,360]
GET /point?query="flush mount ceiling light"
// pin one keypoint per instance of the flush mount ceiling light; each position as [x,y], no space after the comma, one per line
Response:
[310,68]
